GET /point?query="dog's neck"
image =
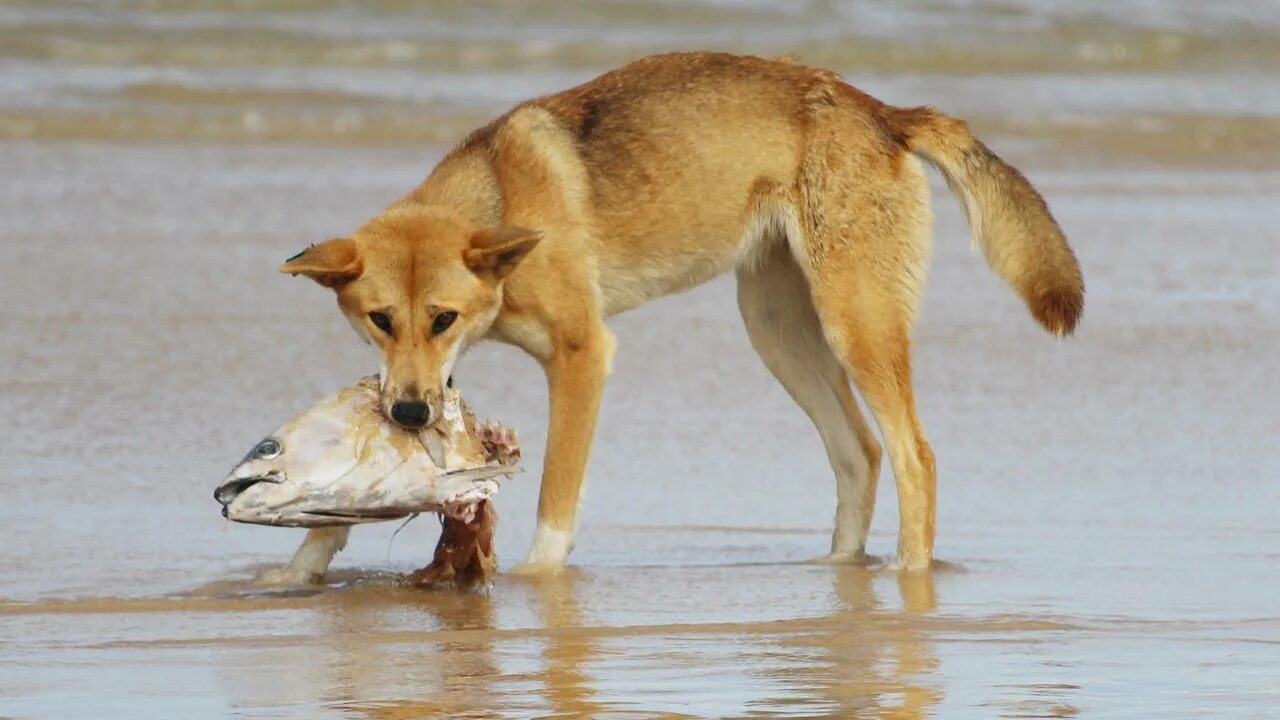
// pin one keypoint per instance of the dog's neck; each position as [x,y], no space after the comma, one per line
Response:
[463,184]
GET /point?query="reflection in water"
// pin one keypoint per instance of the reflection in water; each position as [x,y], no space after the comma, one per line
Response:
[532,648]
[566,684]
[865,660]
[912,651]
[454,669]
[448,672]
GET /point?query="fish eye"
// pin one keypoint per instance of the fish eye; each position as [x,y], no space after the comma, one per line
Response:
[381,320]
[443,321]
[267,449]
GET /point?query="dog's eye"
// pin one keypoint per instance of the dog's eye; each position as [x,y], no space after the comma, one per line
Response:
[267,449]
[443,321]
[382,321]
[450,382]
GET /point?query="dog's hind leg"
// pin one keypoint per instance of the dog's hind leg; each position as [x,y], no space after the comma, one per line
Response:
[865,257]
[778,311]
[311,561]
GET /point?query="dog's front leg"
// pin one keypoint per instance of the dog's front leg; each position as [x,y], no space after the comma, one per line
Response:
[576,372]
[311,561]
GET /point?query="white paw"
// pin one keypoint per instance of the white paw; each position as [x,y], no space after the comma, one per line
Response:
[287,576]
[550,548]
[536,569]
[842,557]
[912,563]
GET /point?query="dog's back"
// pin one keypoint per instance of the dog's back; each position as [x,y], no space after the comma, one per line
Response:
[678,152]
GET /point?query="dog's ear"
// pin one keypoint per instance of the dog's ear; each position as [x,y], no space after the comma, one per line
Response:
[497,251]
[330,263]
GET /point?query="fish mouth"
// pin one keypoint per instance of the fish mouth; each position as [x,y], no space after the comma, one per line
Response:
[231,488]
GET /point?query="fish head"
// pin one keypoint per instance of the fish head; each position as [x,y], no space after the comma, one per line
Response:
[304,465]
[343,463]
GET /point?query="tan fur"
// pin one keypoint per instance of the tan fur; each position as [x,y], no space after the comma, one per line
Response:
[659,176]
[1009,219]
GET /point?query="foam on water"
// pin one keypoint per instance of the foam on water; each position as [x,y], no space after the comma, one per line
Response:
[402,72]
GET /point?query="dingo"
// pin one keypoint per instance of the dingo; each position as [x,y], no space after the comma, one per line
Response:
[657,177]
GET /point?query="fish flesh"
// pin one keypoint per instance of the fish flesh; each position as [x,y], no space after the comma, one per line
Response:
[343,463]
[464,554]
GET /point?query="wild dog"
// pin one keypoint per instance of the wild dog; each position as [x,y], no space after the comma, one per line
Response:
[654,178]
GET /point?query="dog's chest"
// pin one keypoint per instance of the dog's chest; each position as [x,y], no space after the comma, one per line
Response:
[522,331]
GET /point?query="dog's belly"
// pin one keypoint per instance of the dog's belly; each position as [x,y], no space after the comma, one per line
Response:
[643,278]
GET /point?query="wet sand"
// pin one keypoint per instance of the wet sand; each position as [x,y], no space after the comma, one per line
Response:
[1107,504]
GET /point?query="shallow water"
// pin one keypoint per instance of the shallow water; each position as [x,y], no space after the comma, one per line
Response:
[1107,504]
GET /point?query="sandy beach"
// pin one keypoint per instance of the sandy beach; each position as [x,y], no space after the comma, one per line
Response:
[1107,511]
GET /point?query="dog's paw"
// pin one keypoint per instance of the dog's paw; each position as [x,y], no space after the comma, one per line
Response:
[912,562]
[537,569]
[287,577]
[859,558]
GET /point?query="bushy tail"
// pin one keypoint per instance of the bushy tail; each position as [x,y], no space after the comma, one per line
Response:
[1007,216]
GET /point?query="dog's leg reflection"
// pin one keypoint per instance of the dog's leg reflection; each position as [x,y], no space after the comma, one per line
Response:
[566,684]
[912,650]
[877,658]
[450,671]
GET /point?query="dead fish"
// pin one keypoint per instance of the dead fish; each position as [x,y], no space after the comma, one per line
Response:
[343,463]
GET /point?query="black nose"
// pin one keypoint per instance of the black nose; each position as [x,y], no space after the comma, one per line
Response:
[228,491]
[411,413]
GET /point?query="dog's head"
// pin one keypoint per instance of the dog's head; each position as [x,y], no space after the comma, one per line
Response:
[420,286]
